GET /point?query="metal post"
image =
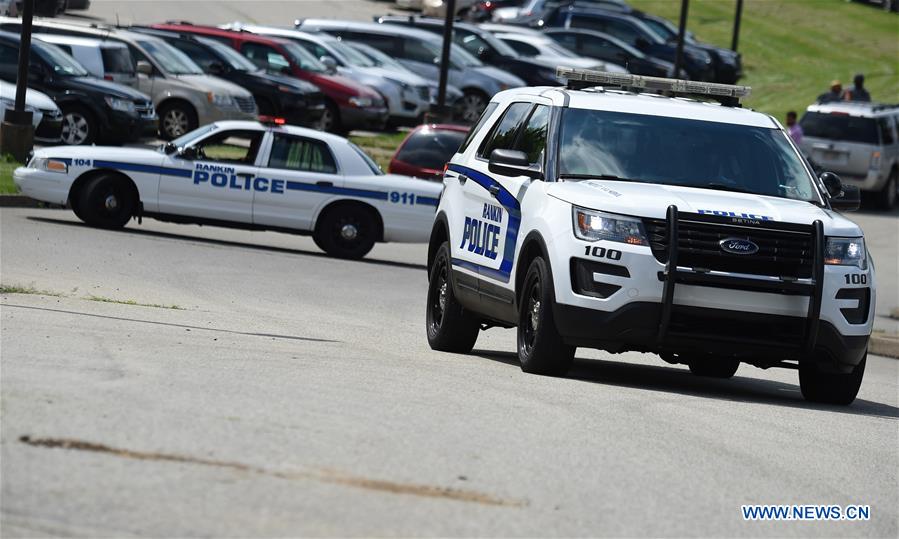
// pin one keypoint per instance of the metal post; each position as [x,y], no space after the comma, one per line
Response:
[737,18]
[17,133]
[441,112]
[681,32]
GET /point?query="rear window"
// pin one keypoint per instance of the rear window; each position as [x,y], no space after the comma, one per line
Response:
[430,148]
[117,60]
[839,127]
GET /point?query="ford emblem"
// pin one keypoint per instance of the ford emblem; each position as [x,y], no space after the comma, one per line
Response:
[738,246]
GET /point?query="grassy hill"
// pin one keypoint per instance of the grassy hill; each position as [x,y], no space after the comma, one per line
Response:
[792,49]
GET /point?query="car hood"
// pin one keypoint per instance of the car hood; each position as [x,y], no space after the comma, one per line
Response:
[110,89]
[652,201]
[208,83]
[102,153]
[430,188]
[300,86]
[503,77]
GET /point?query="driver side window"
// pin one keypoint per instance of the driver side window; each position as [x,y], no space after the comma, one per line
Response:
[234,147]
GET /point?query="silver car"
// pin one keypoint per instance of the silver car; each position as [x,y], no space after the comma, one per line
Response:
[104,59]
[858,141]
[183,95]
[420,51]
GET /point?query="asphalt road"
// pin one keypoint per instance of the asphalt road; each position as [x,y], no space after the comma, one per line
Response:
[294,394]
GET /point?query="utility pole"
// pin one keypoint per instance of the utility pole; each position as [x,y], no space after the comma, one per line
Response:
[441,112]
[681,32]
[737,18]
[16,132]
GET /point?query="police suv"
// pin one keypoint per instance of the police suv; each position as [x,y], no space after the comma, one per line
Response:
[241,174]
[607,215]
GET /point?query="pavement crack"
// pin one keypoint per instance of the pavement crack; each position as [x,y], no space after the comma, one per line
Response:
[323,476]
[172,324]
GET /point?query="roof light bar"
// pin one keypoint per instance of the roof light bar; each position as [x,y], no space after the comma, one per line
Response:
[589,77]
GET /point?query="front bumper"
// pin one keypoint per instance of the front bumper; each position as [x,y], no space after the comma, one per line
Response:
[49,130]
[122,126]
[48,187]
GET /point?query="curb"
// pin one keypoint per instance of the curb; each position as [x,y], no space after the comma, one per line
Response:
[22,201]
[884,344]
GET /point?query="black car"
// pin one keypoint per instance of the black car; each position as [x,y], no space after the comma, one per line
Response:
[634,32]
[593,44]
[486,48]
[94,110]
[297,101]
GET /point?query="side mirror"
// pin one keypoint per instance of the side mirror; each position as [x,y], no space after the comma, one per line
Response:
[144,68]
[832,183]
[329,63]
[216,68]
[189,153]
[513,163]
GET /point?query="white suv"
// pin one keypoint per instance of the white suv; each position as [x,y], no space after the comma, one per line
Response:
[601,215]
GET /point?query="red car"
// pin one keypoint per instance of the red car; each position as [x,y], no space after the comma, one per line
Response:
[349,105]
[426,150]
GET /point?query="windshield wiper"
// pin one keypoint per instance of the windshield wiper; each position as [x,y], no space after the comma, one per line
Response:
[611,177]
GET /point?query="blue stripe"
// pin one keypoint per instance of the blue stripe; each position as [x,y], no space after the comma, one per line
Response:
[511,204]
[150,169]
[427,201]
[330,189]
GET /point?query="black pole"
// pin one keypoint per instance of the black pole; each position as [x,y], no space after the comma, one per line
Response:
[24,54]
[17,131]
[441,110]
[737,18]
[681,32]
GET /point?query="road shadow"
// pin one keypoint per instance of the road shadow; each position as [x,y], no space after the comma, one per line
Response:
[668,379]
[228,243]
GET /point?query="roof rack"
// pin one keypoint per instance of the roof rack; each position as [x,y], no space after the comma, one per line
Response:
[726,94]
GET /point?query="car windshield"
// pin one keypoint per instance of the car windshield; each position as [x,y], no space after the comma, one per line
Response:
[472,43]
[459,57]
[63,65]
[170,59]
[379,58]
[304,58]
[372,165]
[231,56]
[551,48]
[431,148]
[689,153]
[837,126]
[352,56]
[187,138]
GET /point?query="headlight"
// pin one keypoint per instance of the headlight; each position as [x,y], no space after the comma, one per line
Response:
[121,105]
[592,225]
[48,165]
[846,252]
[361,102]
[220,100]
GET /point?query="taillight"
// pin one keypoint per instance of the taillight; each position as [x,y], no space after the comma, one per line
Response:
[875,160]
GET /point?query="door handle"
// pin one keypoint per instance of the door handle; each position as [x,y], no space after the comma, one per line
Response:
[325,184]
[494,190]
[463,178]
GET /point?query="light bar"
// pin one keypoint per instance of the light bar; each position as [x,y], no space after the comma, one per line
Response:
[677,86]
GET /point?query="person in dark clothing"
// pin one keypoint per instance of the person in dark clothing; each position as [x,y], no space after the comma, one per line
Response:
[857,92]
[835,93]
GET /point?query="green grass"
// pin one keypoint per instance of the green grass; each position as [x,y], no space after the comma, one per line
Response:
[30,289]
[380,147]
[792,49]
[102,299]
[7,165]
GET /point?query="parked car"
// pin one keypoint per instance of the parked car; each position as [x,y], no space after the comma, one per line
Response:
[407,95]
[104,59]
[297,102]
[858,141]
[46,118]
[184,96]
[348,105]
[533,9]
[426,149]
[453,94]
[547,50]
[47,8]
[483,10]
[593,44]
[437,8]
[420,51]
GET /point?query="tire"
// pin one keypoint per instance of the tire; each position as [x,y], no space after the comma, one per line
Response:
[347,232]
[714,367]
[79,127]
[830,388]
[330,120]
[889,195]
[471,105]
[176,119]
[540,347]
[450,327]
[107,201]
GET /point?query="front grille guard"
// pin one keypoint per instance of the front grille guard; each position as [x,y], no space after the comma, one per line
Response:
[673,275]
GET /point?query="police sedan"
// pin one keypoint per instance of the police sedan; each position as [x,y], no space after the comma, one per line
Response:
[241,174]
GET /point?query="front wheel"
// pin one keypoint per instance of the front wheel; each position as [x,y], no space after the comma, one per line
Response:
[176,119]
[830,388]
[471,105]
[540,347]
[106,202]
[347,232]
[450,327]
[78,126]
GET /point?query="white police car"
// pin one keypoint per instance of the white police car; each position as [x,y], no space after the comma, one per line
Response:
[244,174]
[604,215]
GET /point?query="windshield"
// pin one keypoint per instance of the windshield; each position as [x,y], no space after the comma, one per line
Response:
[304,58]
[839,127]
[375,169]
[170,59]
[352,56]
[474,43]
[379,58]
[554,49]
[689,153]
[187,138]
[230,56]
[431,148]
[63,65]
[459,57]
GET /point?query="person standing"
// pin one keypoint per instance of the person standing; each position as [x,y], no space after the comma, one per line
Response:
[793,127]
[835,93]
[858,91]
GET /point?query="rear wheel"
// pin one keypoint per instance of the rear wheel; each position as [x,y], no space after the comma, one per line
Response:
[107,201]
[830,388]
[540,347]
[714,367]
[450,327]
[889,195]
[347,232]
